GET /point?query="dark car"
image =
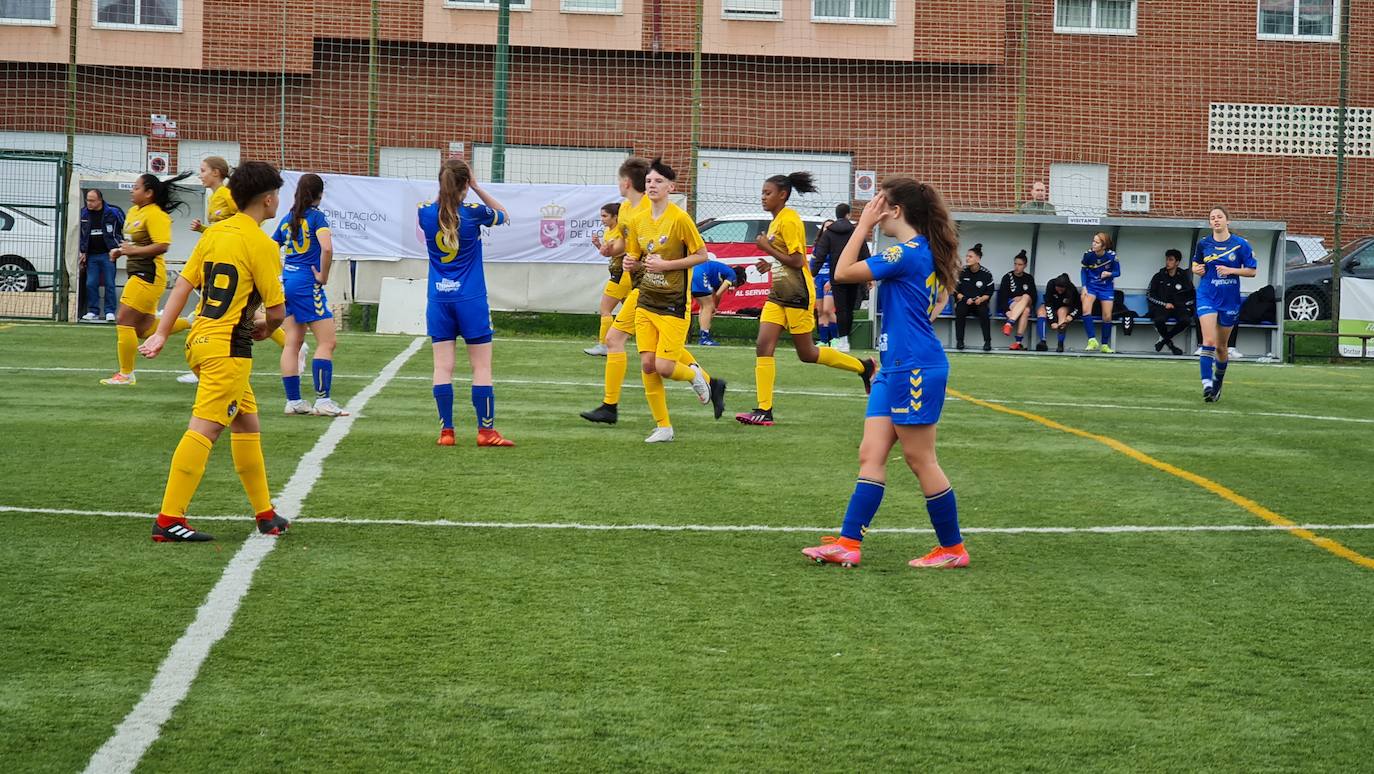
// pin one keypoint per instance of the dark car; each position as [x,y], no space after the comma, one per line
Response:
[1307,289]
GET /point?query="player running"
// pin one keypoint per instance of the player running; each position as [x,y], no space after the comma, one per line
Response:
[791,301]
[1220,259]
[234,266]
[1099,273]
[309,255]
[909,392]
[619,285]
[458,295]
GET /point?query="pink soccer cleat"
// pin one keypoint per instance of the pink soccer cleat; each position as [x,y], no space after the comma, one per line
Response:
[943,558]
[832,551]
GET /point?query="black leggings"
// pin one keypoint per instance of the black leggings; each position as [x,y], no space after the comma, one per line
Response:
[847,297]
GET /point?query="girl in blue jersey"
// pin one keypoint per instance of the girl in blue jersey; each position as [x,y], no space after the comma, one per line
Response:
[458,295]
[1220,260]
[308,255]
[1099,273]
[909,390]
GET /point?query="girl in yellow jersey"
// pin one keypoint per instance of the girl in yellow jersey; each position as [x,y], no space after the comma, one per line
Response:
[661,247]
[791,299]
[147,235]
[618,286]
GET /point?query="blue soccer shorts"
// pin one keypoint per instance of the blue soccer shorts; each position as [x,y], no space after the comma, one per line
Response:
[469,320]
[914,397]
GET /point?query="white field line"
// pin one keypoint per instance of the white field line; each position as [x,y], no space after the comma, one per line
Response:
[132,737]
[586,527]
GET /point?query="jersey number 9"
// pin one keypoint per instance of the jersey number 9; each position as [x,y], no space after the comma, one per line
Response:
[217,295]
[450,253]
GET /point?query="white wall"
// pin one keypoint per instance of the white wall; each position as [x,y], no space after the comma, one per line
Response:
[729,181]
[537,164]
[191,152]
[409,163]
[93,152]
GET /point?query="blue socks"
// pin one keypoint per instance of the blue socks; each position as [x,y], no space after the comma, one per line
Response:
[323,371]
[863,505]
[1106,333]
[944,517]
[1062,335]
[1019,338]
[1040,328]
[443,398]
[293,387]
[484,403]
[1221,369]
[1089,325]
[1205,362]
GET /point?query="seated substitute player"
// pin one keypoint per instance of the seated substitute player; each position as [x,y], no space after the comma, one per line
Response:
[1220,260]
[618,286]
[909,392]
[1171,297]
[1099,273]
[710,282]
[458,296]
[1061,307]
[309,255]
[791,304]
[235,267]
[973,296]
[663,243]
[1016,296]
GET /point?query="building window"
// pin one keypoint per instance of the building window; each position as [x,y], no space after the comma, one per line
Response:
[1287,130]
[139,14]
[1100,17]
[1299,19]
[515,5]
[764,10]
[27,11]
[852,11]
[591,6]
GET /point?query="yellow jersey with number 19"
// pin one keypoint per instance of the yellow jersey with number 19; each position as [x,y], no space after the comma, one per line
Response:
[235,267]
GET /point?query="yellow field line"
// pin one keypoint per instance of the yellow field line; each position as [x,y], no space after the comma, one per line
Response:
[1219,490]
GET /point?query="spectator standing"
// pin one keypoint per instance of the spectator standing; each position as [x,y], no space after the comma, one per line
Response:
[1171,297]
[847,294]
[1016,298]
[102,228]
[1039,203]
[973,296]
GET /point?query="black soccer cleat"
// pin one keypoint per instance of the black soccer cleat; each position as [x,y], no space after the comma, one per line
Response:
[870,368]
[1041,346]
[1216,390]
[274,525]
[1207,395]
[1059,347]
[718,397]
[606,413]
[179,532]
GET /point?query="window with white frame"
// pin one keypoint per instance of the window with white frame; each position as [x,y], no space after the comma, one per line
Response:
[766,10]
[864,11]
[515,5]
[1103,17]
[140,14]
[1299,19]
[27,11]
[591,6]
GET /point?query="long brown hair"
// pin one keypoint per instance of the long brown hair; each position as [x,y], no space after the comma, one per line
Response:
[924,210]
[454,176]
[309,189]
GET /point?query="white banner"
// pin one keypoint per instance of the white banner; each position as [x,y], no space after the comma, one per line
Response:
[1357,314]
[374,218]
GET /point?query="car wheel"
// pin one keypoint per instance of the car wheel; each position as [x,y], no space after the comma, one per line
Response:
[1306,304]
[17,275]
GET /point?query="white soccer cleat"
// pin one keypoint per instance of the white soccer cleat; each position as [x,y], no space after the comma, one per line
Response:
[599,350]
[294,407]
[699,385]
[188,378]
[1233,353]
[1197,351]
[303,359]
[88,317]
[109,317]
[326,407]
[841,344]
[660,435]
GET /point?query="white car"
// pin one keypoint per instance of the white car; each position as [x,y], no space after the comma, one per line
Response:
[1302,250]
[27,252]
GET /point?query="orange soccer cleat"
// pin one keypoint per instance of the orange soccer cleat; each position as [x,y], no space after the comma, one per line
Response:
[834,550]
[446,437]
[487,436]
[943,558]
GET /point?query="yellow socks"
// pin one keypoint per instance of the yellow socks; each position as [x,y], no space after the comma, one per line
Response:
[833,358]
[765,373]
[180,324]
[188,465]
[279,336]
[658,399]
[606,321]
[681,373]
[689,360]
[252,469]
[126,346]
[615,377]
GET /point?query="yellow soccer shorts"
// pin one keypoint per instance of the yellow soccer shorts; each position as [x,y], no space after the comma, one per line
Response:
[625,318]
[142,295]
[619,290]
[794,321]
[224,391]
[664,335]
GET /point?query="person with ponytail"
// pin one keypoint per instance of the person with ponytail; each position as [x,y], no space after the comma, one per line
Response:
[1099,273]
[909,392]
[618,286]
[309,255]
[458,295]
[973,296]
[1220,260]
[1016,295]
[791,301]
[147,236]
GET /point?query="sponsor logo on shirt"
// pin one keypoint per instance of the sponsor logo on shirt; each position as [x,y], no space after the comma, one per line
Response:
[892,254]
[447,285]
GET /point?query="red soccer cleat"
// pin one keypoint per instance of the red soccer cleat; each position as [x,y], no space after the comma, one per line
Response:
[446,437]
[1016,346]
[832,551]
[1006,329]
[487,436]
[942,558]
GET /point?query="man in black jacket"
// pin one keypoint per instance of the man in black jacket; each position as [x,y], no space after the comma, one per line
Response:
[973,296]
[828,247]
[1171,297]
[102,229]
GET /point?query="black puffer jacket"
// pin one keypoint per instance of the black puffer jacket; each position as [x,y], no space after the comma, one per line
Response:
[832,242]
